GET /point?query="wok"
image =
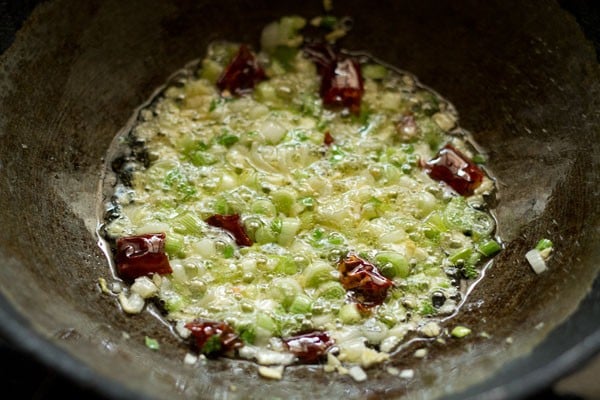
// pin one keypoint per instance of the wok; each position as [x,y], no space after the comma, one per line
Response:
[523,77]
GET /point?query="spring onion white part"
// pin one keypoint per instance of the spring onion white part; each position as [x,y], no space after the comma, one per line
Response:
[536,261]
[538,256]
[284,202]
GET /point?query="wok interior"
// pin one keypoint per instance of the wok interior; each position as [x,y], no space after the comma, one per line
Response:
[525,83]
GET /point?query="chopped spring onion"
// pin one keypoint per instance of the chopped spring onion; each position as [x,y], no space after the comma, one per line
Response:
[460,331]
[490,248]
[536,261]
[151,343]
[544,244]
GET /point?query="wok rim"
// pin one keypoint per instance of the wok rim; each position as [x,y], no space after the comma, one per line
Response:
[18,332]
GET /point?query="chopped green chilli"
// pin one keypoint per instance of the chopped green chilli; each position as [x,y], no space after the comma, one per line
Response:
[296,201]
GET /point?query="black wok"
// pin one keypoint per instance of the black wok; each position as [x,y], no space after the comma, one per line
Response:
[525,81]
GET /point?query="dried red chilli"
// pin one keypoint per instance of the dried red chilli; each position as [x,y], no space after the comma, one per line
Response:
[242,73]
[232,224]
[214,337]
[141,255]
[342,83]
[367,285]
[309,347]
[455,169]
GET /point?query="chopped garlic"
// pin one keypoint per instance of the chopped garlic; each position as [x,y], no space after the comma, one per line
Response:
[420,353]
[407,374]
[342,370]
[190,359]
[265,356]
[116,287]
[431,329]
[329,368]
[182,330]
[134,304]
[389,343]
[356,352]
[271,372]
[332,363]
[357,373]
[444,120]
[144,287]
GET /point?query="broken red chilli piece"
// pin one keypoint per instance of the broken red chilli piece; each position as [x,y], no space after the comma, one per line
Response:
[142,255]
[328,139]
[456,170]
[309,347]
[233,225]
[342,83]
[203,331]
[242,73]
[363,279]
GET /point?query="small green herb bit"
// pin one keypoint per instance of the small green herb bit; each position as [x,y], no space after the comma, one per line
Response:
[460,331]
[212,345]
[544,244]
[490,248]
[151,343]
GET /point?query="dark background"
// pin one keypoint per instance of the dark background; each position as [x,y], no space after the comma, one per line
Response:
[26,378]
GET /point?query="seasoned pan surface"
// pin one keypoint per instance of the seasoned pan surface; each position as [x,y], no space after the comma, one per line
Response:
[524,80]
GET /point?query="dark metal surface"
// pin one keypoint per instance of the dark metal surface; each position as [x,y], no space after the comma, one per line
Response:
[524,79]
